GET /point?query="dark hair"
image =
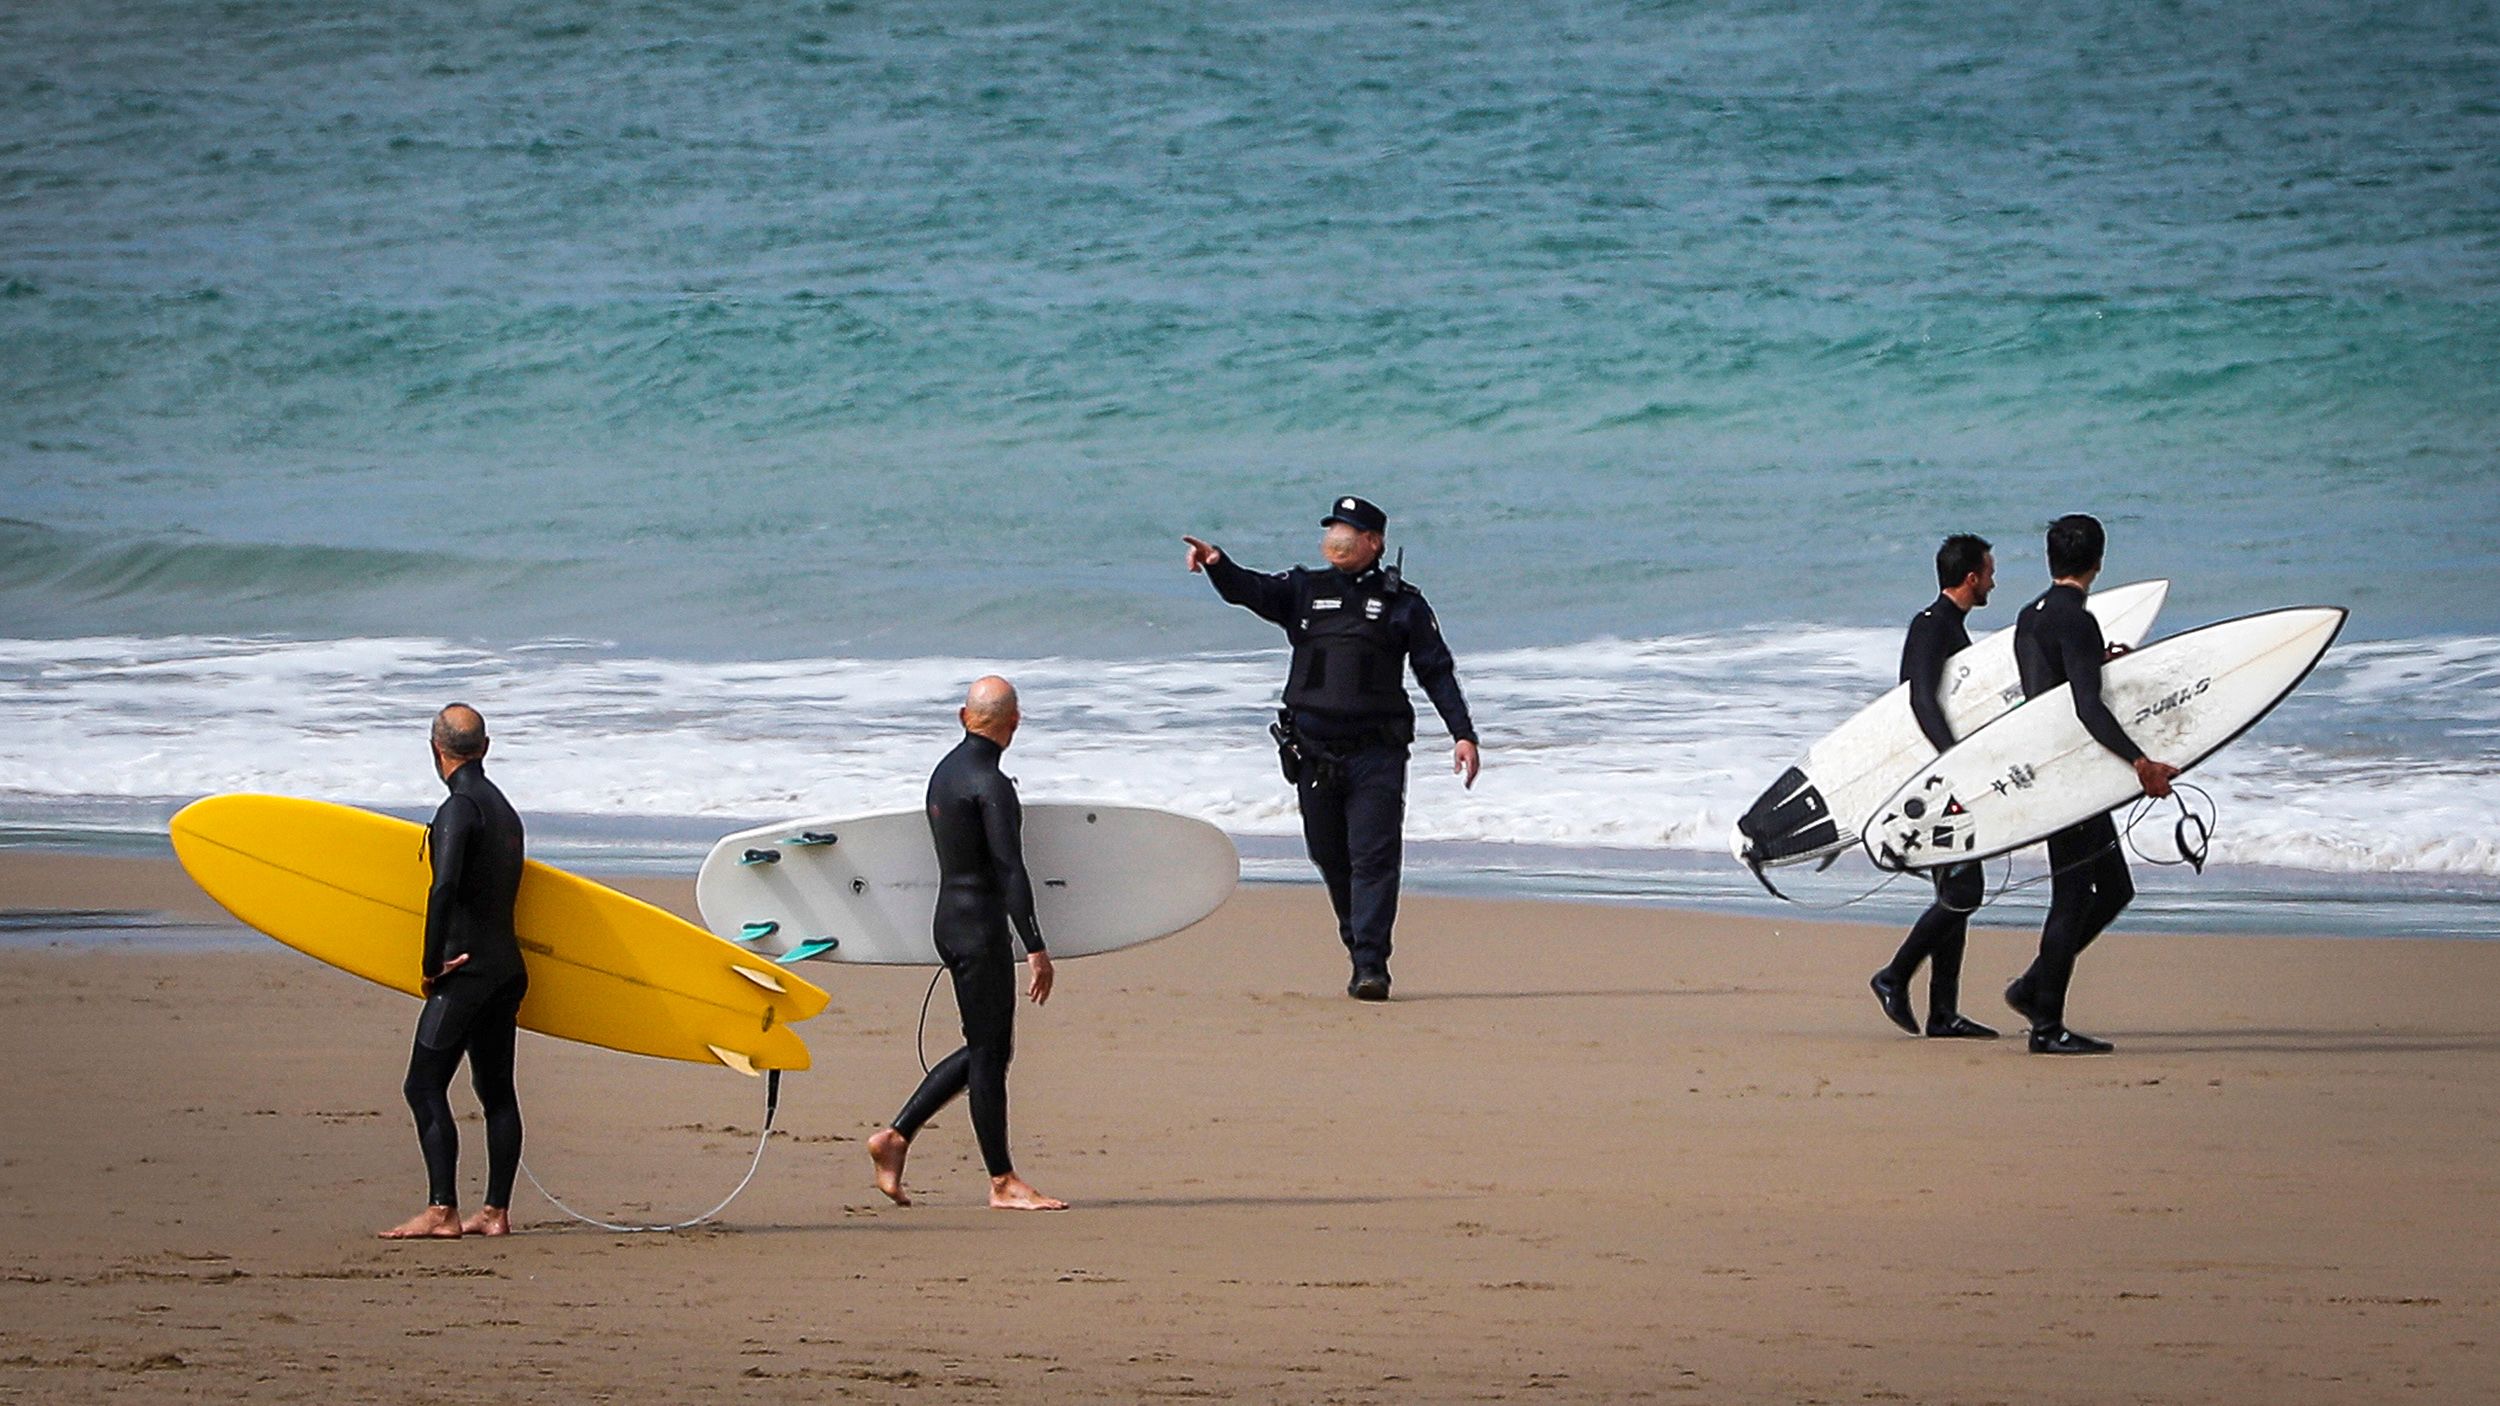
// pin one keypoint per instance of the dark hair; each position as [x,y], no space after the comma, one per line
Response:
[2075,543]
[460,731]
[1961,554]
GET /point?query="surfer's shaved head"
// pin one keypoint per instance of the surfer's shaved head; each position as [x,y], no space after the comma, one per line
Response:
[990,709]
[460,732]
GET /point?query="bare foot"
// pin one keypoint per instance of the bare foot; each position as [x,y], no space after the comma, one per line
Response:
[491,1220]
[887,1149]
[432,1223]
[1010,1193]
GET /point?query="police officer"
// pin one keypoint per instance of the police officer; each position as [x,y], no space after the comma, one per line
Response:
[1347,722]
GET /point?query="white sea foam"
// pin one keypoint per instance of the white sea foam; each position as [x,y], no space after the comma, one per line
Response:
[2386,762]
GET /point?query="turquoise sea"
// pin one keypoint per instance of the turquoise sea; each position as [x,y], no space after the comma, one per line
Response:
[708,390]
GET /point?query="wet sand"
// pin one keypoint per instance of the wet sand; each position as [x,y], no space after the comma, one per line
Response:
[1588,1153]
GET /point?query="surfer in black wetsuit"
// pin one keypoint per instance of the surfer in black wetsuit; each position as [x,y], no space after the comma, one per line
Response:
[2056,641]
[474,982]
[982,888]
[1354,628]
[1966,571]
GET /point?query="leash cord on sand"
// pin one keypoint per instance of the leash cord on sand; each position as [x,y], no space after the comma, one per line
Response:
[920,1037]
[772,1106]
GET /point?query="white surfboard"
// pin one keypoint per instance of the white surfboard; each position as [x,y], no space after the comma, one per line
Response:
[2035,771]
[1818,807]
[863,888]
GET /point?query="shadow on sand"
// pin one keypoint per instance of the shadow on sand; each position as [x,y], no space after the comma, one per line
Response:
[893,1219]
[2309,1042]
[1608,993]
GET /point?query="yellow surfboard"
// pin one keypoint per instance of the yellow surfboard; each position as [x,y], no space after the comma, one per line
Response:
[348,886]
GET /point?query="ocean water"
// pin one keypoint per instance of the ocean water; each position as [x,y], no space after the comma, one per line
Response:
[708,391]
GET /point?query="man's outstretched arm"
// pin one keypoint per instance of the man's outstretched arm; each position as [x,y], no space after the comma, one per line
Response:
[1268,595]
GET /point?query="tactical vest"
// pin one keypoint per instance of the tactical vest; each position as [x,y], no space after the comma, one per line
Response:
[1348,661]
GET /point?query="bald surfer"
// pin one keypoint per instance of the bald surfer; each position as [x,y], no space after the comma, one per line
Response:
[474,981]
[983,889]
[1966,571]
[2056,641]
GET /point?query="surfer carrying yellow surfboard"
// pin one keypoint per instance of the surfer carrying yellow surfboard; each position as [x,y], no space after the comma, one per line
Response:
[474,982]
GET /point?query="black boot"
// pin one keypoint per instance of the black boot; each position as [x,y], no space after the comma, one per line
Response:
[2058,1040]
[2018,996]
[1893,994]
[1952,1025]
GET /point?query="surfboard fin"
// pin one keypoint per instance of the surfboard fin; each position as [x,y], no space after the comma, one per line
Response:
[808,838]
[760,856]
[757,932]
[735,1060]
[764,979]
[813,947]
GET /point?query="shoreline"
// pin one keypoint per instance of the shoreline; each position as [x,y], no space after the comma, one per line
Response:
[2225,900]
[1587,1152]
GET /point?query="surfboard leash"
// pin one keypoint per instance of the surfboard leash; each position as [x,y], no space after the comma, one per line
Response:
[2005,886]
[1890,878]
[920,1037]
[772,1107]
[2192,832]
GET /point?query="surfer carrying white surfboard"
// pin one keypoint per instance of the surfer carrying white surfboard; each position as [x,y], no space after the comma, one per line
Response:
[1347,722]
[1966,572]
[983,888]
[474,982]
[2056,641]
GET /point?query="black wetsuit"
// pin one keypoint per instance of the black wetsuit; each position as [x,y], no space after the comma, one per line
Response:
[475,846]
[1353,638]
[2056,641]
[979,827]
[1936,635]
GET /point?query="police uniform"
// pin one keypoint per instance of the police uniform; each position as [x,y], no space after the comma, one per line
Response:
[1353,637]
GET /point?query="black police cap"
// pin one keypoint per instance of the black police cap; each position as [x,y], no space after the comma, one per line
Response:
[1358,513]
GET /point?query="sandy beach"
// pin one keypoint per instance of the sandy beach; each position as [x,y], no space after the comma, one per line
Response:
[1588,1153]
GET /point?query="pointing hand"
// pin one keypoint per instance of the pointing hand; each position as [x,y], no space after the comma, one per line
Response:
[1202,554]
